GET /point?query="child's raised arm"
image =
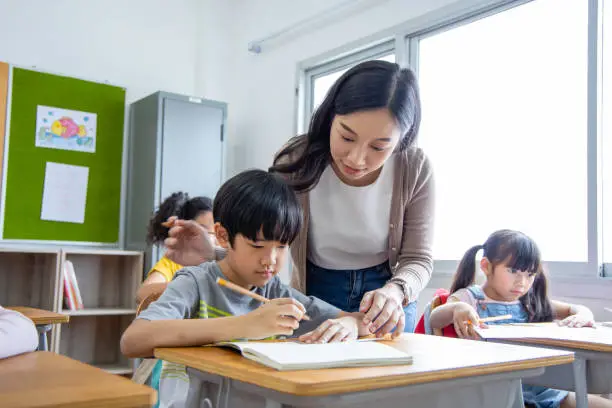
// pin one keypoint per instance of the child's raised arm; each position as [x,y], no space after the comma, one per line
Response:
[572,315]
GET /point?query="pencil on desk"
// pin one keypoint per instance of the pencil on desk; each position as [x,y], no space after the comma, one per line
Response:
[239,289]
[493,319]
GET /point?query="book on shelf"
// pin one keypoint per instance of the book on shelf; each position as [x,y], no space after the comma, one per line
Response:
[72,293]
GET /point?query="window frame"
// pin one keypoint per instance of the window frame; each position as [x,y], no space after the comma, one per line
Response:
[606,267]
[404,41]
[329,67]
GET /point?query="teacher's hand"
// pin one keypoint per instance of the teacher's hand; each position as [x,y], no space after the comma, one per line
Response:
[188,243]
[383,309]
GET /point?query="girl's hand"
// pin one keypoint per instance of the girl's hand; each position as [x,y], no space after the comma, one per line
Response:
[578,320]
[333,330]
[383,309]
[464,319]
[280,316]
[188,243]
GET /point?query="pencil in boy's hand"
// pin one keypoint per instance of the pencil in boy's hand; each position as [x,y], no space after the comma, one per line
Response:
[493,319]
[240,289]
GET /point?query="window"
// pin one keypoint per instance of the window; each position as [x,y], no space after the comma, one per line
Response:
[512,122]
[607,135]
[322,83]
[505,125]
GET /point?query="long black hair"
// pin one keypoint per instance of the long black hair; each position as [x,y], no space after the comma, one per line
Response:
[179,204]
[256,201]
[367,86]
[519,252]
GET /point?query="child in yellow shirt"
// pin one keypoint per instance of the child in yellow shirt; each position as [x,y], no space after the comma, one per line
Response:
[182,206]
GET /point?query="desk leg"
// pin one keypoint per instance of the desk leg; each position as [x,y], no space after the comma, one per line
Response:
[273,404]
[580,382]
[43,345]
[194,395]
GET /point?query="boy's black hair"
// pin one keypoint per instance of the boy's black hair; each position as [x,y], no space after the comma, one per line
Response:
[180,205]
[256,201]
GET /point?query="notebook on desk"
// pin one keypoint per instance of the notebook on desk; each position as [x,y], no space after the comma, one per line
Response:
[288,355]
[547,331]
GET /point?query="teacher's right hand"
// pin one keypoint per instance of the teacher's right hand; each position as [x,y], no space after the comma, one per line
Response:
[188,243]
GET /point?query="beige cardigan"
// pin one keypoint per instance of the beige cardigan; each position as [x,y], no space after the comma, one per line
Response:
[410,227]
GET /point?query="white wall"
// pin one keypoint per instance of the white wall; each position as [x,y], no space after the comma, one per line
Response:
[261,88]
[143,45]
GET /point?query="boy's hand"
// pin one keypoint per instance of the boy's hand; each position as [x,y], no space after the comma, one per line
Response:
[333,330]
[578,320]
[464,319]
[278,317]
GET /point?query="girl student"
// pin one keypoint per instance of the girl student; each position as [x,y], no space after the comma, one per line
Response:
[516,285]
[179,205]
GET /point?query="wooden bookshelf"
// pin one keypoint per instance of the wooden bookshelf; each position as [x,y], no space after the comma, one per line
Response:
[100,312]
[29,277]
[107,279]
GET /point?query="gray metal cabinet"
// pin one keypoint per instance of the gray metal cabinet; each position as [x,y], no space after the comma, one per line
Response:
[176,144]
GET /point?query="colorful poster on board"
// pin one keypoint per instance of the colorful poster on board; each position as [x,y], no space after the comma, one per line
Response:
[58,128]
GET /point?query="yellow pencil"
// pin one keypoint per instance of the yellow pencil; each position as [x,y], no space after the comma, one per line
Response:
[168,223]
[240,289]
[493,319]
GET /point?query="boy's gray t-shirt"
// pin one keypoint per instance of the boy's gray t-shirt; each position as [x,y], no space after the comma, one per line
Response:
[194,293]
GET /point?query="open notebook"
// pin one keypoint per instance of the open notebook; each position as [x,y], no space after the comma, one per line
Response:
[300,356]
[548,331]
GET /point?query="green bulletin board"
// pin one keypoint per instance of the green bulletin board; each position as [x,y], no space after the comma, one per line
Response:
[27,163]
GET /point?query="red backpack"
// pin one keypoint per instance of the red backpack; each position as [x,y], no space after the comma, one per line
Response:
[440,298]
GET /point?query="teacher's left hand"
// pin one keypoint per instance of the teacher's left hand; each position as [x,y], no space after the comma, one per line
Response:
[383,309]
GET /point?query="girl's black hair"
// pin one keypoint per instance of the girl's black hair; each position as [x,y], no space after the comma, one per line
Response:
[256,201]
[180,205]
[367,86]
[519,252]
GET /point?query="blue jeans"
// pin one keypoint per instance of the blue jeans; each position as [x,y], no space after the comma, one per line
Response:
[345,288]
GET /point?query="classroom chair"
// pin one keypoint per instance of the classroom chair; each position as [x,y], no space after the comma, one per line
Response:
[423,326]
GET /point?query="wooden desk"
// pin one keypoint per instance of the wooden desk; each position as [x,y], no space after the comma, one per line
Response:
[40,316]
[44,380]
[591,371]
[43,319]
[483,374]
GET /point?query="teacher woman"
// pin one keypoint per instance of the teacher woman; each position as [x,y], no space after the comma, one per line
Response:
[368,197]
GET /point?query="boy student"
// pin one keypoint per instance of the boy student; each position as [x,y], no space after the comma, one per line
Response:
[256,217]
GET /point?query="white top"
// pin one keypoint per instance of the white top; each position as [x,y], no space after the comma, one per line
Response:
[349,226]
[17,333]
